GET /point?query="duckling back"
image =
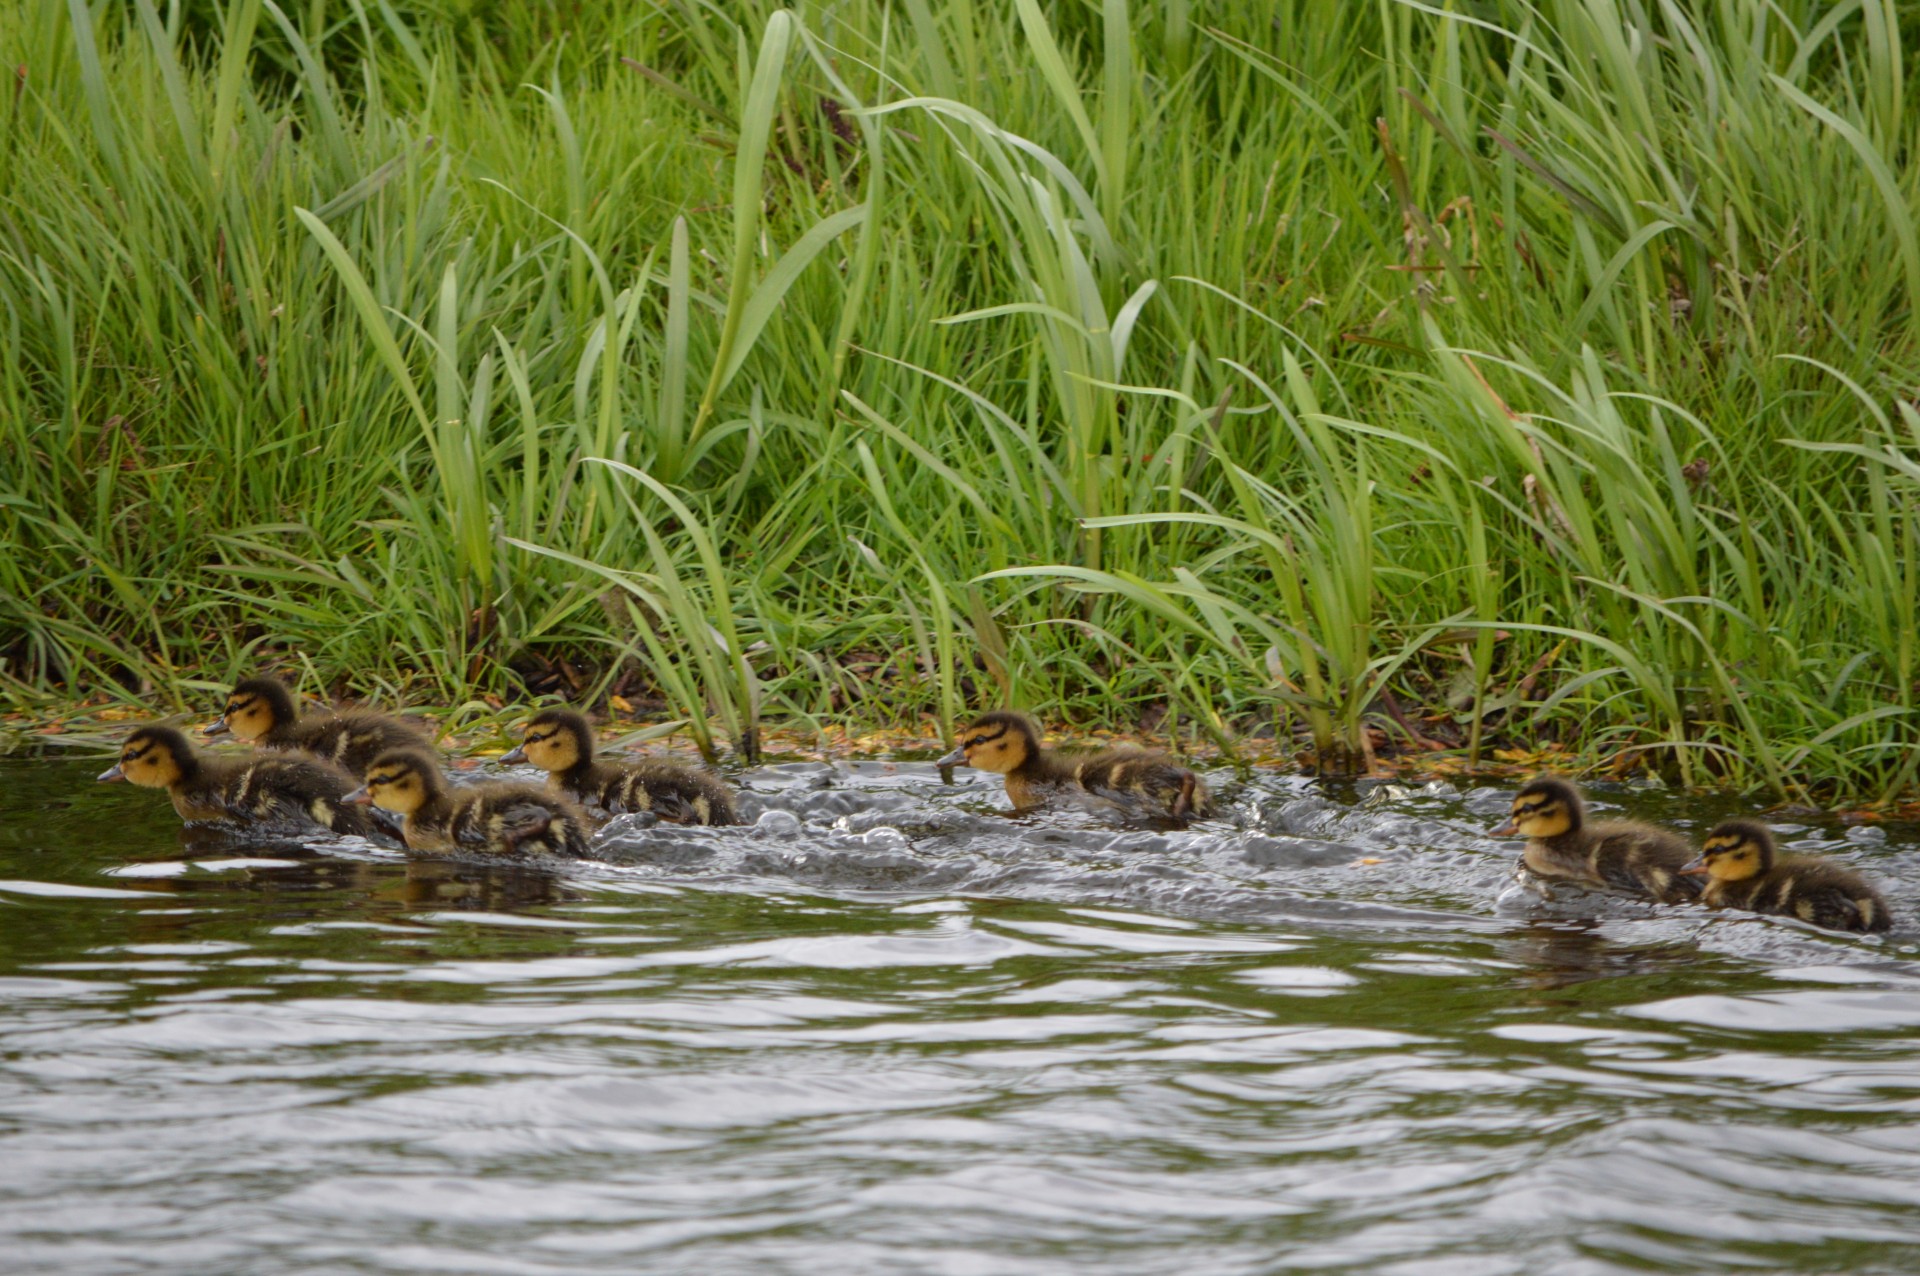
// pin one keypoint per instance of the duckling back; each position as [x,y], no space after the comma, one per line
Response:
[350,738]
[1813,890]
[677,794]
[272,789]
[1641,859]
[508,817]
[1144,779]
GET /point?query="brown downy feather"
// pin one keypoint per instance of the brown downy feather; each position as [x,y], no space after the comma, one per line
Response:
[502,818]
[560,742]
[1143,780]
[270,791]
[1621,855]
[1744,869]
[262,710]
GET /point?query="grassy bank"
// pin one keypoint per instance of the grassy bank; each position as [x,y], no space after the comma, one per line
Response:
[1452,373]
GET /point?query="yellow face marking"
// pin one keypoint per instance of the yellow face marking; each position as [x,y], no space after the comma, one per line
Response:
[997,749]
[1730,860]
[399,790]
[1538,815]
[248,717]
[147,764]
[550,748]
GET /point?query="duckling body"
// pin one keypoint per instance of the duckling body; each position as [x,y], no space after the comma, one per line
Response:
[286,791]
[1622,855]
[502,818]
[1140,780]
[262,710]
[1744,869]
[560,742]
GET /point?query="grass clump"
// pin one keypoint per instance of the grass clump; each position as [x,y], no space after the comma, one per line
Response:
[1376,374]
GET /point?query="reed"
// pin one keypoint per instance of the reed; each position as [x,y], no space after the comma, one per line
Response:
[1479,377]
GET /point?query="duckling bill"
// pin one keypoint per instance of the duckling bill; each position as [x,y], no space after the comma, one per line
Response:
[1622,855]
[502,818]
[262,711]
[1745,870]
[274,790]
[1139,779]
[560,742]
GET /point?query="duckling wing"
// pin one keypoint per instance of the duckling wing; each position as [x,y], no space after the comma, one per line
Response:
[1836,910]
[287,790]
[676,794]
[519,825]
[1143,780]
[517,819]
[353,738]
[682,798]
[1828,896]
[489,820]
[1643,860]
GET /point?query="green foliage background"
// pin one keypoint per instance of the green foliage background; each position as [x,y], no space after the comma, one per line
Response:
[1550,360]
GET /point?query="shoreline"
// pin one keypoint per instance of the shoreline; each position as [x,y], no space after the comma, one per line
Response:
[89,729]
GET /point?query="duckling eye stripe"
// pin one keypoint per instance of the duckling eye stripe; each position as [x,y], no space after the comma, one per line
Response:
[985,739]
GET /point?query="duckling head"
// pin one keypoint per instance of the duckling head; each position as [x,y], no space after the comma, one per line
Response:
[153,758]
[401,781]
[999,742]
[1733,852]
[1545,806]
[255,707]
[556,740]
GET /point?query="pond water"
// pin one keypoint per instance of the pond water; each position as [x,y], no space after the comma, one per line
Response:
[890,1029]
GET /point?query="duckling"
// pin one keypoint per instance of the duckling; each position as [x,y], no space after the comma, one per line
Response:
[1618,854]
[261,710]
[1744,870]
[1009,743]
[560,742]
[287,791]
[500,818]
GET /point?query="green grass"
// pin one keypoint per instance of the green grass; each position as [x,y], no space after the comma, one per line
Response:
[1546,368]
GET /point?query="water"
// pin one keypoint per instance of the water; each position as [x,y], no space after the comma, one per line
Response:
[890,1030]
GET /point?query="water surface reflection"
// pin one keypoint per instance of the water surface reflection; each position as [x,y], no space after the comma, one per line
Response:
[887,1029]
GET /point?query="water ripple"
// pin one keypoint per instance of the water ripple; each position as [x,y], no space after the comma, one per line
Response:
[888,1028]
